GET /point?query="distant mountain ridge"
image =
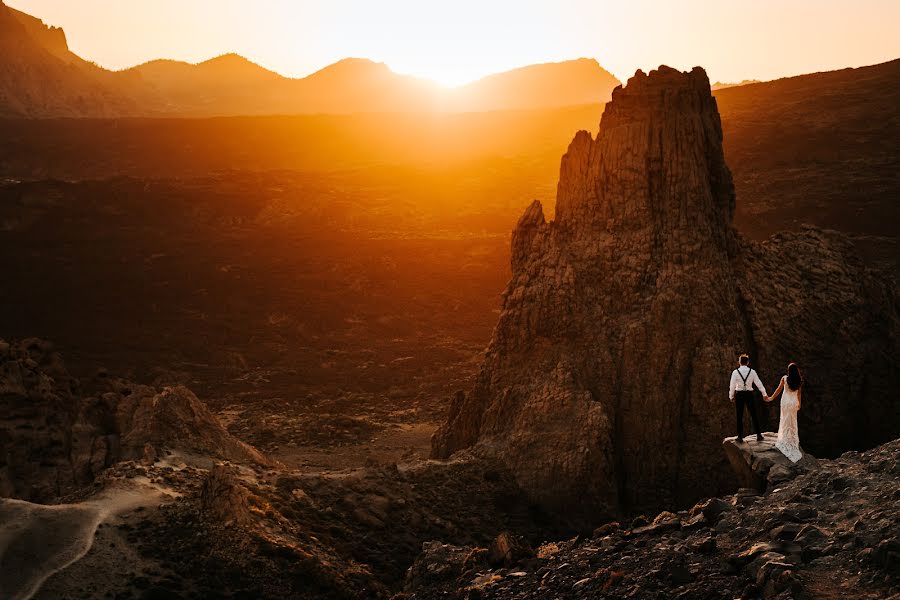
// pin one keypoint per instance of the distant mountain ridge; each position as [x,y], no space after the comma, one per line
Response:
[580,81]
[41,77]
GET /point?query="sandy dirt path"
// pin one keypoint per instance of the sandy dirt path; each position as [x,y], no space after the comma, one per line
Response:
[39,540]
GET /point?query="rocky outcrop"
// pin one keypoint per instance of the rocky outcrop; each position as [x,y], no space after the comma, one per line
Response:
[57,434]
[223,498]
[442,562]
[760,465]
[175,419]
[604,385]
[834,528]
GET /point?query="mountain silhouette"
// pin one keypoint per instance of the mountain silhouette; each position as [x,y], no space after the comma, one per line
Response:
[41,77]
[228,83]
[581,81]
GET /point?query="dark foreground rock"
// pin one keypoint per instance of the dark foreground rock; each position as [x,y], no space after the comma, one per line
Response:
[242,532]
[833,531]
[759,464]
[58,433]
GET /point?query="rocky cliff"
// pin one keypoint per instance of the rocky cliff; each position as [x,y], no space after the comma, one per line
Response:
[604,386]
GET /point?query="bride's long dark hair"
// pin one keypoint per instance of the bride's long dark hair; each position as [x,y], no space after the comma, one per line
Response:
[794,380]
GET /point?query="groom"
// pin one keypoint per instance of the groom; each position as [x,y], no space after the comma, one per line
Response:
[741,393]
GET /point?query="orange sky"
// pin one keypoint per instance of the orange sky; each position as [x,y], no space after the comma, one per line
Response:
[458,41]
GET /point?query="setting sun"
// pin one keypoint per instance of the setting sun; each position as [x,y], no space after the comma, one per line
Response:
[455,43]
[447,78]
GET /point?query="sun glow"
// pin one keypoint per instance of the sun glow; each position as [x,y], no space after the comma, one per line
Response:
[447,77]
[456,42]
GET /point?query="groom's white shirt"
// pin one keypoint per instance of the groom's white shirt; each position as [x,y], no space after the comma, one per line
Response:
[737,382]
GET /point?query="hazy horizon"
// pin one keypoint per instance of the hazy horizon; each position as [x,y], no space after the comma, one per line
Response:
[450,45]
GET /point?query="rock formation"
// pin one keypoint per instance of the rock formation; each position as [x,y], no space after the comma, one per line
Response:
[57,434]
[760,465]
[223,497]
[831,530]
[604,387]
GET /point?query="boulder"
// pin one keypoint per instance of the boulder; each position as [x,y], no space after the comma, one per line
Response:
[223,498]
[760,465]
[607,529]
[439,563]
[507,549]
[711,509]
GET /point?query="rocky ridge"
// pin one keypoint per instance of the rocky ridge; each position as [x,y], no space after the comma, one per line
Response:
[603,387]
[58,434]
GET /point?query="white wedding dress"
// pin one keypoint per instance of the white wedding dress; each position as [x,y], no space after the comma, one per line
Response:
[788,436]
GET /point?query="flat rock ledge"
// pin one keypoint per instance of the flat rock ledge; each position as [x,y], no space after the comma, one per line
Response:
[760,465]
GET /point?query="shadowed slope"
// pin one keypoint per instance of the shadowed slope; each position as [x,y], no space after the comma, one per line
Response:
[820,149]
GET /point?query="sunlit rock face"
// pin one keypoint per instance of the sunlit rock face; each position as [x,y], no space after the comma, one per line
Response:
[604,387]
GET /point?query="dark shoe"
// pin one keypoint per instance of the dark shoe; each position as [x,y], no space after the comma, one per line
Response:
[759,437]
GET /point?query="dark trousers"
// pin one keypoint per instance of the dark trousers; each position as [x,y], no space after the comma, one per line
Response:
[742,399]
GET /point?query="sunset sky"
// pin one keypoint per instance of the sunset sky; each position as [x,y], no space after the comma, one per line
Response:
[459,41]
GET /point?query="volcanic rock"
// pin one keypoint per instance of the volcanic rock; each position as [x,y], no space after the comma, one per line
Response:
[848,544]
[604,387]
[57,435]
[174,418]
[438,562]
[223,498]
[758,465]
[508,549]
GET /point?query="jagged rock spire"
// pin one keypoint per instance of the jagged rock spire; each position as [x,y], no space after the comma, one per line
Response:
[604,386]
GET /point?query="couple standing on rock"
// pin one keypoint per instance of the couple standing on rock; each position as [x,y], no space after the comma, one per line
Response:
[741,393]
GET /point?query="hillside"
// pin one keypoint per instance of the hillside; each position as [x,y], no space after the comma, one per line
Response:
[232,85]
[40,77]
[822,148]
[581,81]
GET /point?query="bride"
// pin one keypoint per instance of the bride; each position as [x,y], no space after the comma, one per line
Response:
[788,438]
